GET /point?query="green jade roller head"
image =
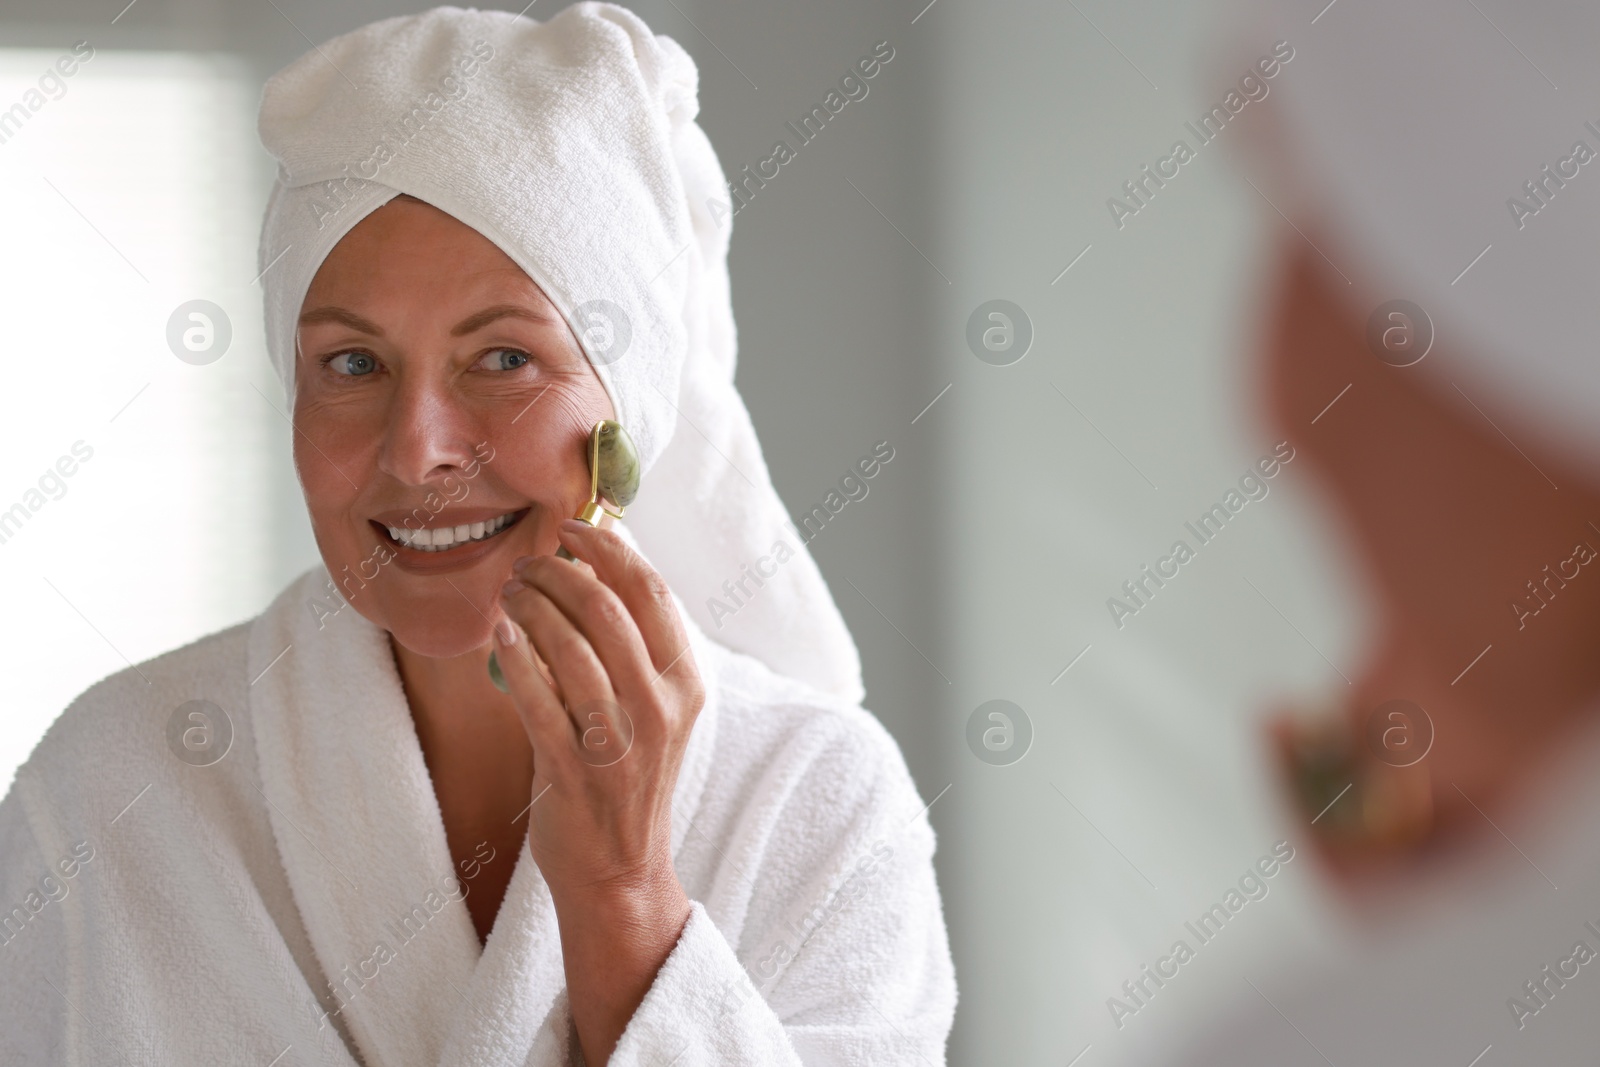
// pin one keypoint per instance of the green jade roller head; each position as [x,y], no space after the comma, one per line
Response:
[613,474]
[614,477]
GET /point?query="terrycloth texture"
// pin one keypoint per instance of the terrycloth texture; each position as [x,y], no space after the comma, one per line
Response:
[572,145]
[1402,139]
[294,899]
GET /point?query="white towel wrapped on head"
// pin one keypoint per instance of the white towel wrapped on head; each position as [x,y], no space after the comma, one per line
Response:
[1434,160]
[572,145]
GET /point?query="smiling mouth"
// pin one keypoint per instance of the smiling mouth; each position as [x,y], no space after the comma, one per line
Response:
[445,538]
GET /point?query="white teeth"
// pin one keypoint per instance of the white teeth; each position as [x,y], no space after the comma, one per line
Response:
[447,537]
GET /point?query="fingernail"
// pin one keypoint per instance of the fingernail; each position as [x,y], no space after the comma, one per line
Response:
[521,562]
[506,631]
[511,588]
[574,525]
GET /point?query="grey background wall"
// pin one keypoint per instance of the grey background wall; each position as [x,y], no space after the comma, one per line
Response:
[979,566]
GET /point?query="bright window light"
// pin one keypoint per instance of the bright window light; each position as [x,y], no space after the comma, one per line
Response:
[138,492]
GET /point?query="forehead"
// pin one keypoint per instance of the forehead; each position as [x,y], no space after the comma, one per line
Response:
[407,248]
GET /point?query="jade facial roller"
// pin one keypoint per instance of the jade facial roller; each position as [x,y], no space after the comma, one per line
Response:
[614,477]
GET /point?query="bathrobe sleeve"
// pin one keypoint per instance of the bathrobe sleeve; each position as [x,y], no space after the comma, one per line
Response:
[34,896]
[830,897]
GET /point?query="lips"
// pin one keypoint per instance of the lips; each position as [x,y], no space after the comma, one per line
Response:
[447,531]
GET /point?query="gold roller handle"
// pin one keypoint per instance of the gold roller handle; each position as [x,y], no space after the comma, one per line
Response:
[613,476]
[621,467]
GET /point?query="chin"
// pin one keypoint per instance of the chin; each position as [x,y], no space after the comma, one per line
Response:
[432,618]
[439,638]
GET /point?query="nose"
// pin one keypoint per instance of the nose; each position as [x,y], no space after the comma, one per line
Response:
[430,434]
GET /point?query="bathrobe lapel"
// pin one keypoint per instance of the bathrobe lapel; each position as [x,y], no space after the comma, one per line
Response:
[358,826]
[362,840]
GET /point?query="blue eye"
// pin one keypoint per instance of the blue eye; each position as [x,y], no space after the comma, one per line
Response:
[352,364]
[507,359]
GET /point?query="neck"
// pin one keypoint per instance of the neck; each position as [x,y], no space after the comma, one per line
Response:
[476,749]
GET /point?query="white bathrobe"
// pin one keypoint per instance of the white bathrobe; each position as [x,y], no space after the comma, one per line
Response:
[1473,960]
[293,902]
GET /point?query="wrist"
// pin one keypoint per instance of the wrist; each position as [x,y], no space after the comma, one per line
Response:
[647,901]
[615,936]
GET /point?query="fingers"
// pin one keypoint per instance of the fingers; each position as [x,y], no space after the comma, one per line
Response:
[642,591]
[578,671]
[511,633]
[599,615]
[538,705]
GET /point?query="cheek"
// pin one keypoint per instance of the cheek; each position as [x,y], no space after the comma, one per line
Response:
[547,457]
[1311,352]
[1278,365]
[333,455]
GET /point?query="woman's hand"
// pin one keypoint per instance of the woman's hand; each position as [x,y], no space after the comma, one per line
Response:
[609,725]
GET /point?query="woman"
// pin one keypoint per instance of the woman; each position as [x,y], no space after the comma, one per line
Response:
[326,836]
[1430,351]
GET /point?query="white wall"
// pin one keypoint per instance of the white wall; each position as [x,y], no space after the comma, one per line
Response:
[122,197]
[1144,797]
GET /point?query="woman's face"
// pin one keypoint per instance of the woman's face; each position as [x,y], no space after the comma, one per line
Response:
[1454,525]
[439,391]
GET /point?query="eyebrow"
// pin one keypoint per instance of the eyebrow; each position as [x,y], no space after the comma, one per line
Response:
[475,322]
[343,317]
[471,324]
